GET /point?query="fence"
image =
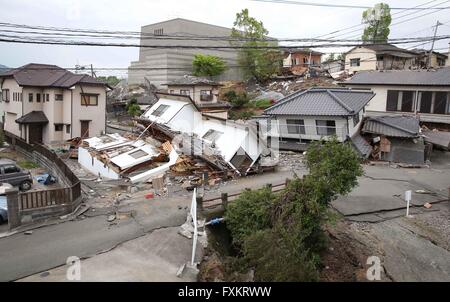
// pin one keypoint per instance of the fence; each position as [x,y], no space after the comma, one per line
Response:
[33,205]
[225,198]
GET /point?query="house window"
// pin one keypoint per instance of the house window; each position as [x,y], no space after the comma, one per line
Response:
[58,97]
[212,135]
[172,91]
[326,127]
[185,92]
[295,126]
[355,120]
[5,95]
[305,60]
[407,101]
[138,154]
[440,102]
[425,101]
[38,97]
[158,32]
[59,127]
[30,97]
[160,110]
[392,100]
[206,95]
[68,129]
[355,62]
[47,97]
[89,99]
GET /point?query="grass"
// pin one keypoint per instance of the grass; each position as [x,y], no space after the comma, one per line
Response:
[26,164]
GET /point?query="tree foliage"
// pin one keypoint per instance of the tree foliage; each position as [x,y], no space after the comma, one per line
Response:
[378,20]
[208,65]
[110,80]
[133,108]
[281,235]
[256,61]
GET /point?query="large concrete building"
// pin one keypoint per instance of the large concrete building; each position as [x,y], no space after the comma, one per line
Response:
[167,63]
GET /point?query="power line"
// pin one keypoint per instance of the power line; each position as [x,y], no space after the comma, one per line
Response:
[337,5]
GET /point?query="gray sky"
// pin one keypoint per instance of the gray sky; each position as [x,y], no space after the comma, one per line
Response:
[282,21]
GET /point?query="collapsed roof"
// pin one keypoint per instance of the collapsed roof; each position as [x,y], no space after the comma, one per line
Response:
[393,126]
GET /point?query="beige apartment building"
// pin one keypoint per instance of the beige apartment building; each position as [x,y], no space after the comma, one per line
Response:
[45,103]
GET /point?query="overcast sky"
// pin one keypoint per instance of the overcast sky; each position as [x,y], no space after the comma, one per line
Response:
[282,20]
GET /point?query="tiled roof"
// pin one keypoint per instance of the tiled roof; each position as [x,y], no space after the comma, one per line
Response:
[439,77]
[189,80]
[361,146]
[43,75]
[322,102]
[394,126]
[33,117]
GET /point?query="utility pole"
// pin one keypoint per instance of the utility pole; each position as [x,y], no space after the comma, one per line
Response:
[432,44]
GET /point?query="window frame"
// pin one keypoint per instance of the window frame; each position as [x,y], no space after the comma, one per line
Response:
[57,97]
[319,128]
[30,97]
[183,92]
[160,110]
[358,62]
[90,95]
[68,126]
[297,125]
[38,97]
[59,126]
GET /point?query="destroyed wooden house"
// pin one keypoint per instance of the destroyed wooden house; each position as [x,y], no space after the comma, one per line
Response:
[114,157]
[223,144]
[395,139]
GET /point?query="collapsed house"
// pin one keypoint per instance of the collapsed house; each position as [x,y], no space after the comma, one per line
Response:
[395,139]
[113,156]
[223,144]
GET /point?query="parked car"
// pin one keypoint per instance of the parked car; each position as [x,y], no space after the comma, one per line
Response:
[3,202]
[10,173]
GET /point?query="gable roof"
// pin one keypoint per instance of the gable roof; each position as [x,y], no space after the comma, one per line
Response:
[439,77]
[322,102]
[33,117]
[394,126]
[44,75]
[388,49]
[189,80]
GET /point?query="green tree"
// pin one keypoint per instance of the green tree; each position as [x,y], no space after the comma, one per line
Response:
[207,65]
[110,80]
[281,236]
[133,108]
[257,61]
[378,20]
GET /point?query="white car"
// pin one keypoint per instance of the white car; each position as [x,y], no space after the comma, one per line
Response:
[3,202]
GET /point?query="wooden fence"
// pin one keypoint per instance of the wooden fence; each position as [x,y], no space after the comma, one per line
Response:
[225,198]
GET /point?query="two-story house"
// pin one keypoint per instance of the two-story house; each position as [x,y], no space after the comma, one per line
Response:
[45,103]
[414,92]
[203,92]
[379,57]
[313,114]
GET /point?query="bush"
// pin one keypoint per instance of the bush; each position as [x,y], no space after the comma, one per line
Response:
[249,213]
[241,115]
[238,100]
[263,104]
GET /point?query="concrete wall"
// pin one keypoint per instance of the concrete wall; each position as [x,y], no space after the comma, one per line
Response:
[180,59]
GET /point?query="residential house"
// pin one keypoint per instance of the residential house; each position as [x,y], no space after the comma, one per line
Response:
[437,59]
[203,92]
[379,57]
[298,61]
[421,92]
[231,143]
[46,103]
[316,113]
[395,138]
[164,63]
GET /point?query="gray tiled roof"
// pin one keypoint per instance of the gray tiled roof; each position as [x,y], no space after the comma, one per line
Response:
[439,77]
[322,101]
[33,117]
[361,146]
[43,75]
[394,126]
[189,80]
